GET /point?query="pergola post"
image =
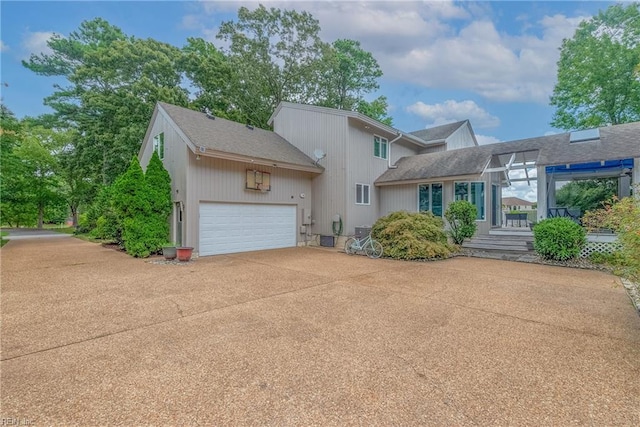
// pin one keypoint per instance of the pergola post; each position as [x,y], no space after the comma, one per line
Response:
[542,193]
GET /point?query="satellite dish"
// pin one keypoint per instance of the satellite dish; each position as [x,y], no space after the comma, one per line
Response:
[319,154]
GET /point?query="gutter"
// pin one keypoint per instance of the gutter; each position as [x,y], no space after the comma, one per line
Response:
[389,166]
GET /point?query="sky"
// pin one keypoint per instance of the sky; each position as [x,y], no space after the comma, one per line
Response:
[493,63]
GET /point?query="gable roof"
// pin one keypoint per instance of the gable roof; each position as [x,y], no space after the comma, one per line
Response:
[354,115]
[515,201]
[224,138]
[439,133]
[615,143]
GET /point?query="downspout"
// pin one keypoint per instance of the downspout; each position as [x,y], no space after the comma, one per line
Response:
[389,166]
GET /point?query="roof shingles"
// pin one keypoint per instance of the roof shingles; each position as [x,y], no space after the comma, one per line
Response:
[230,137]
[615,143]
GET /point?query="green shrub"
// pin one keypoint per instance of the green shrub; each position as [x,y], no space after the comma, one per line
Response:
[158,187]
[623,217]
[139,236]
[558,239]
[461,216]
[411,235]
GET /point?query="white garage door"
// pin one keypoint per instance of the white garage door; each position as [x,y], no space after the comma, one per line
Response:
[232,227]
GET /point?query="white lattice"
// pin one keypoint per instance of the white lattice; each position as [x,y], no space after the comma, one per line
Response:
[603,247]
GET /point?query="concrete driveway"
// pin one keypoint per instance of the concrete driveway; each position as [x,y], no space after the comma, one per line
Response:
[310,337]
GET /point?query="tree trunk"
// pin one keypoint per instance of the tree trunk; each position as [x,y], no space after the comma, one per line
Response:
[74,215]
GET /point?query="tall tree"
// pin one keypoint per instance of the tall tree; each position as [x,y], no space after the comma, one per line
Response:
[16,205]
[597,80]
[209,71]
[353,72]
[275,56]
[37,153]
[114,82]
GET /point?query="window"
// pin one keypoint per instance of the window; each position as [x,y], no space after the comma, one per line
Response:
[158,145]
[472,192]
[430,198]
[380,146]
[362,194]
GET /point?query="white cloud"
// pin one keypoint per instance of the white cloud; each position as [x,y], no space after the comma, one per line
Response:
[522,190]
[3,47]
[35,43]
[495,65]
[486,139]
[451,111]
[440,44]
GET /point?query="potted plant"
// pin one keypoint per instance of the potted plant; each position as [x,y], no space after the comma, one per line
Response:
[184,253]
[169,251]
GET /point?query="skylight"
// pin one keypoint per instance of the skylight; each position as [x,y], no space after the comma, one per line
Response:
[585,135]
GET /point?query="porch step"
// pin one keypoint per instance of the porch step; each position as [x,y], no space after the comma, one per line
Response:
[501,243]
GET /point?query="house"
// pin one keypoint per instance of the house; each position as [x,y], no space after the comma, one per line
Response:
[325,172]
[516,204]
[358,151]
[235,188]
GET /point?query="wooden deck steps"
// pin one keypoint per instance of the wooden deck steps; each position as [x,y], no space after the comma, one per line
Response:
[501,242]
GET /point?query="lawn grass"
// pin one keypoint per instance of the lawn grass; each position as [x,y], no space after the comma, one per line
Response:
[3,241]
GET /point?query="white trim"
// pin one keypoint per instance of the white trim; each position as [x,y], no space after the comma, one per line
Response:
[383,141]
[430,184]
[368,187]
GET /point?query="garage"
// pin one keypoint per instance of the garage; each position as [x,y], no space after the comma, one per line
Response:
[239,227]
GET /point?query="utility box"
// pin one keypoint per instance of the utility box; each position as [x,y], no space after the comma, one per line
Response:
[327,241]
[363,231]
[306,216]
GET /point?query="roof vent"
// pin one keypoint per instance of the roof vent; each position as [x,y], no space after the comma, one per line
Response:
[208,113]
[585,135]
[202,149]
[249,127]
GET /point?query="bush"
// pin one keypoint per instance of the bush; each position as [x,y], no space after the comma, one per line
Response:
[406,235]
[558,239]
[461,216]
[623,217]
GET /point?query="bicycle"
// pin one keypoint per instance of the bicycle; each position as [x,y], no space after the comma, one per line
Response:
[372,248]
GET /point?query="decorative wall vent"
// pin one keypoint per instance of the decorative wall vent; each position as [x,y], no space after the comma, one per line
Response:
[258,180]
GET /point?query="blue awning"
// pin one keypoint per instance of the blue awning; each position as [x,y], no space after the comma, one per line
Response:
[591,167]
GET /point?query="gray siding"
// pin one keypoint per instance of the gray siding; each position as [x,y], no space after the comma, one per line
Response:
[434,149]
[364,168]
[461,138]
[317,130]
[216,180]
[398,198]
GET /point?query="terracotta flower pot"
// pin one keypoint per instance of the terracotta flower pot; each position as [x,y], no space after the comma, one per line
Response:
[184,253]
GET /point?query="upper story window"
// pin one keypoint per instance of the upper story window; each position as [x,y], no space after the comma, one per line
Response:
[362,194]
[380,147]
[158,145]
